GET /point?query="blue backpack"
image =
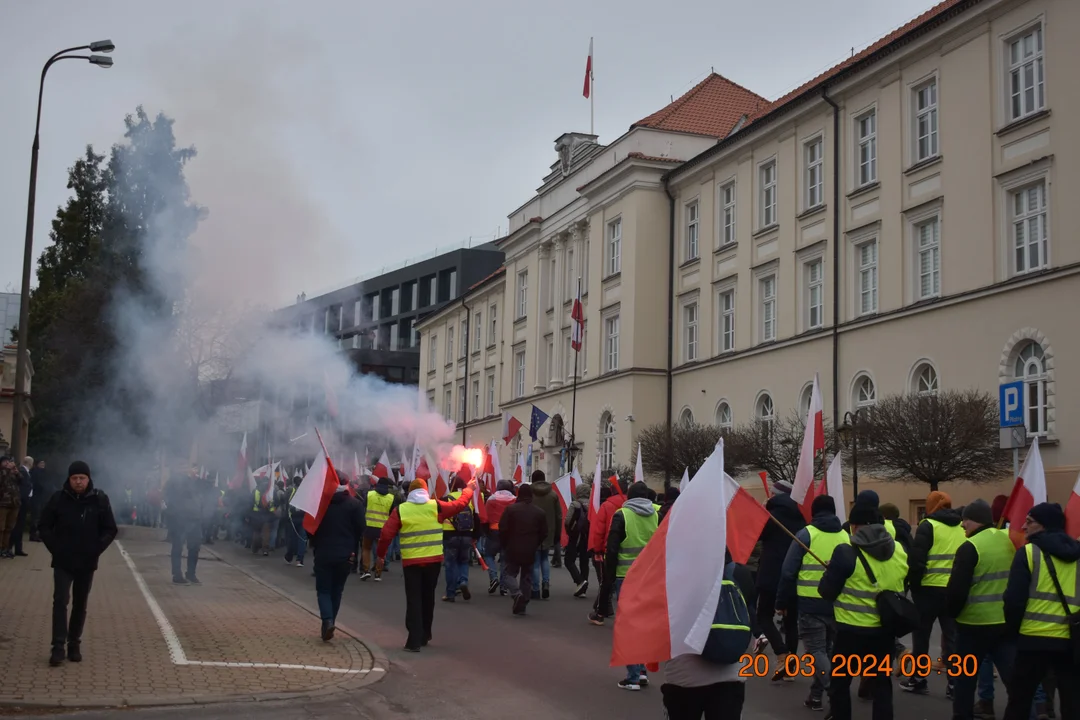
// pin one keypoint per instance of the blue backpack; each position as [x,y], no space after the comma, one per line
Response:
[730,633]
[463,521]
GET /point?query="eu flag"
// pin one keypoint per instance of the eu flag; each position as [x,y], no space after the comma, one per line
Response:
[539,417]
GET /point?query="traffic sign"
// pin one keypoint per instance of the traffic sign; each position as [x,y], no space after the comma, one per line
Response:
[1010,397]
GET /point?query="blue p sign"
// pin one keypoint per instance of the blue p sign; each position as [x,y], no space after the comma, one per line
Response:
[1009,400]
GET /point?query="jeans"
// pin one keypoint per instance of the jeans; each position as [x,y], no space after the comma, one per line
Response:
[270,533]
[185,533]
[881,645]
[73,586]
[721,701]
[493,548]
[518,579]
[541,566]
[1029,672]
[394,553]
[985,687]
[995,648]
[577,562]
[633,672]
[296,540]
[818,634]
[420,584]
[456,559]
[329,584]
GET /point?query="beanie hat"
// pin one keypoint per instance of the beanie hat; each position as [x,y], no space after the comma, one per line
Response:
[637,490]
[889,511]
[823,504]
[937,500]
[998,506]
[525,493]
[862,514]
[782,486]
[78,468]
[504,485]
[979,511]
[1049,515]
[867,497]
[418,484]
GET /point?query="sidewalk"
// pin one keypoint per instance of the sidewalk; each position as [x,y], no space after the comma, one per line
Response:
[149,642]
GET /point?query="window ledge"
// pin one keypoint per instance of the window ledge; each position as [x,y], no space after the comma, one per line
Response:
[728,247]
[766,230]
[810,212]
[491,347]
[869,187]
[923,164]
[521,319]
[431,372]
[612,276]
[691,261]
[1017,124]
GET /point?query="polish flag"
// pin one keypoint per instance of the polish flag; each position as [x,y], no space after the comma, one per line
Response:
[403,466]
[587,90]
[834,484]
[442,483]
[1029,491]
[382,468]
[812,443]
[242,476]
[314,493]
[594,497]
[510,428]
[519,471]
[639,474]
[1072,511]
[564,488]
[670,593]
[577,327]
[410,470]
[685,480]
[479,506]
[423,471]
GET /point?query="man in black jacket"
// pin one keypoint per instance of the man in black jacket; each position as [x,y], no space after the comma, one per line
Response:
[522,530]
[77,524]
[333,543]
[26,490]
[182,495]
[774,548]
[39,482]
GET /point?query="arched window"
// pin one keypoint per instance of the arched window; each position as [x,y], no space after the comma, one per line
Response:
[686,417]
[765,414]
[607,441]
[924,381]
[723,416]
[1031,369]
[804,400]
[865,395]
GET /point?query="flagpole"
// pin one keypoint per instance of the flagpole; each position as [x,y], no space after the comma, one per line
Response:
[592,94]
[573,402]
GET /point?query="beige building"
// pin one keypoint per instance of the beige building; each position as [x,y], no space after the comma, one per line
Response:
[898,224]
[7,399]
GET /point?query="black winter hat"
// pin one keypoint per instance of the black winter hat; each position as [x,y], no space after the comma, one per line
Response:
[823,504]
[1049,515]
[78,468]
[862,514]
[637,490]
[979,511]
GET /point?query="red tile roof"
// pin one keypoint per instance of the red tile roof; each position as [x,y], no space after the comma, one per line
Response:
[492,276]
[653,158]
[712,107]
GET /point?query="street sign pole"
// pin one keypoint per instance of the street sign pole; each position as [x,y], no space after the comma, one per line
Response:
[1013,434]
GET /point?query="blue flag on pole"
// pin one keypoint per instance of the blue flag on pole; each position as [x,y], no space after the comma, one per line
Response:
[539,417]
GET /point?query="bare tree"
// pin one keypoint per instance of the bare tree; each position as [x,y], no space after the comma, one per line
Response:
[686,447]
[773,446]
[952,435]
[625,473]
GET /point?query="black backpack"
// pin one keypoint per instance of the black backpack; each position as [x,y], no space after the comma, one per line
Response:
[463,521]
[730,633]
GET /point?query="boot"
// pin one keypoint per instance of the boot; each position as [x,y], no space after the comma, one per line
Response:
[984,710]
[74,655]
[57,657]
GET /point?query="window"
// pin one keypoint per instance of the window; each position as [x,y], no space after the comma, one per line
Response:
[449,345]
[395,301]
[692,231]
[690,332]
[815,173]
[815,294]
[461,402]
[607,441]
[613,251]
[394,337]
[727,214]
[727,321]
[767,175]
[519,374]
[433,292]
[522,294]
[477,330]
[928,238]
[464,345]
[447,404]
[686,417]
[1027,95]
[924,381]
[768,308]
[611,343]
[491,394]
[866,133]
[571,275]
[415,296]
[550,358]
[433,351]
[453,283]
[926,121]
[357,311]
[1031,368]
[476,398]
[868,277]
[805,399]
[865,396]
[723,416]
[493,325]
[375,308]
[765,415]
[1029,228]
[551,286]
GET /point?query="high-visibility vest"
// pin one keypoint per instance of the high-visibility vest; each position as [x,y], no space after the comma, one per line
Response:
[639,528]
[995,552]
[947,540]
[891,527]
[448,525]
[421,533]
[258,502]
[1044,615]
[378,509]
[822,544]
[857,603]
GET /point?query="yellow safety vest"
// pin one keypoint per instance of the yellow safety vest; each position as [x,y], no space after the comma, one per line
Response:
[995,553]
[639,529]
[421,533]
[857,603]
[1044,615]
[378,509]
[947,540]
[891,527]
[822,544]
[258,502]
[448,526]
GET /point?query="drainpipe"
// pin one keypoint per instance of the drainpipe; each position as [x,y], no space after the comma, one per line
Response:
[836,259]
[670,312]
[468,349]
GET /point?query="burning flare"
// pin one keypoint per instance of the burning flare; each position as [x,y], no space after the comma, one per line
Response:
[460,455]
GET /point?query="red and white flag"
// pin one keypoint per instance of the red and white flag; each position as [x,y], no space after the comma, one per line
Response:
[594,496]
[834,485]
[587,90]
[685,480]
[479,506]
[442,483]
[403,466]
[242,477]
[1072,511]
[382,468]
[357,470]
[510,427]
[423,470]
[314,493]
[519,470]
[417,456]
[496,463]
[616,486]
[670,594]
[577,324]
[813,442]
[639,474]
[564,489]
[1028,491]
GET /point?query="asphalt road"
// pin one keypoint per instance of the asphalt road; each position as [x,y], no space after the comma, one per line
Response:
[485,663]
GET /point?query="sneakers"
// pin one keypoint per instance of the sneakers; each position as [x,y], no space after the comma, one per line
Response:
[781,671]
[643,681]
[179,581]
[365,575]
[465,593]
[288,560]
[493,586]
[57,657]
[813,703]
[74,654]
[760,643]
[625,684]
[377,578]
[596,618]
[448,598]
[502,592]
[582,589]
[519,604]
[914,685]
[299,563]
[193,580]
[950,689]
[545,591]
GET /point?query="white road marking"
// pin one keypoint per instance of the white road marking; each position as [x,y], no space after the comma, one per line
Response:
[176,650]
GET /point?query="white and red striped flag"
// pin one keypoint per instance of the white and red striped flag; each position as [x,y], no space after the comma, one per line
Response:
[1072,511]
[510,428]
[382,468]
[316,489]
[1028,491]
[834,486]
[519,470]
[242,476]
[594,496]
[577,325]
[639,474]
[564,490]
[587,90]
[812,443]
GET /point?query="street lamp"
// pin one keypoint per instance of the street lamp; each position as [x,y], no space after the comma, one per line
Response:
[19,397]
[849,435]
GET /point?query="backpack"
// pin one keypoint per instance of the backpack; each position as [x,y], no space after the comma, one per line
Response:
[730,633]
[573,519]
[463,521]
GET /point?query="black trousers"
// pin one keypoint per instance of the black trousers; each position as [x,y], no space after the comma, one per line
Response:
[421,581]
[722,701]
[930,603]
[577,562]
[74,587]
[1030,670]
[881,645]
[602,604]
[187,533]
[20,527]
[766,611]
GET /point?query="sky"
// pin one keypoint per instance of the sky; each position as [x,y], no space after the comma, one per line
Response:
[336,138]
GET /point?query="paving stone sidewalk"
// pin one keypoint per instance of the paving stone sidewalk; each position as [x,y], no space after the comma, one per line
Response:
[231,634]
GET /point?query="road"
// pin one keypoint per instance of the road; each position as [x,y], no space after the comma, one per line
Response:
[485,663]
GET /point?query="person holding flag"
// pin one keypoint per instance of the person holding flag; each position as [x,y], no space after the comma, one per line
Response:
[333,543]
[775,541]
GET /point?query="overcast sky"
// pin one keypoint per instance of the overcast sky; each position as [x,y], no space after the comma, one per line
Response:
[337,137]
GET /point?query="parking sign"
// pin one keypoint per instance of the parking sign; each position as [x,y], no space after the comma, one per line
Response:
[1010,397]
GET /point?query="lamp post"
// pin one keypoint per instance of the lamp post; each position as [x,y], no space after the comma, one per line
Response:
[849,434]
[22,350]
